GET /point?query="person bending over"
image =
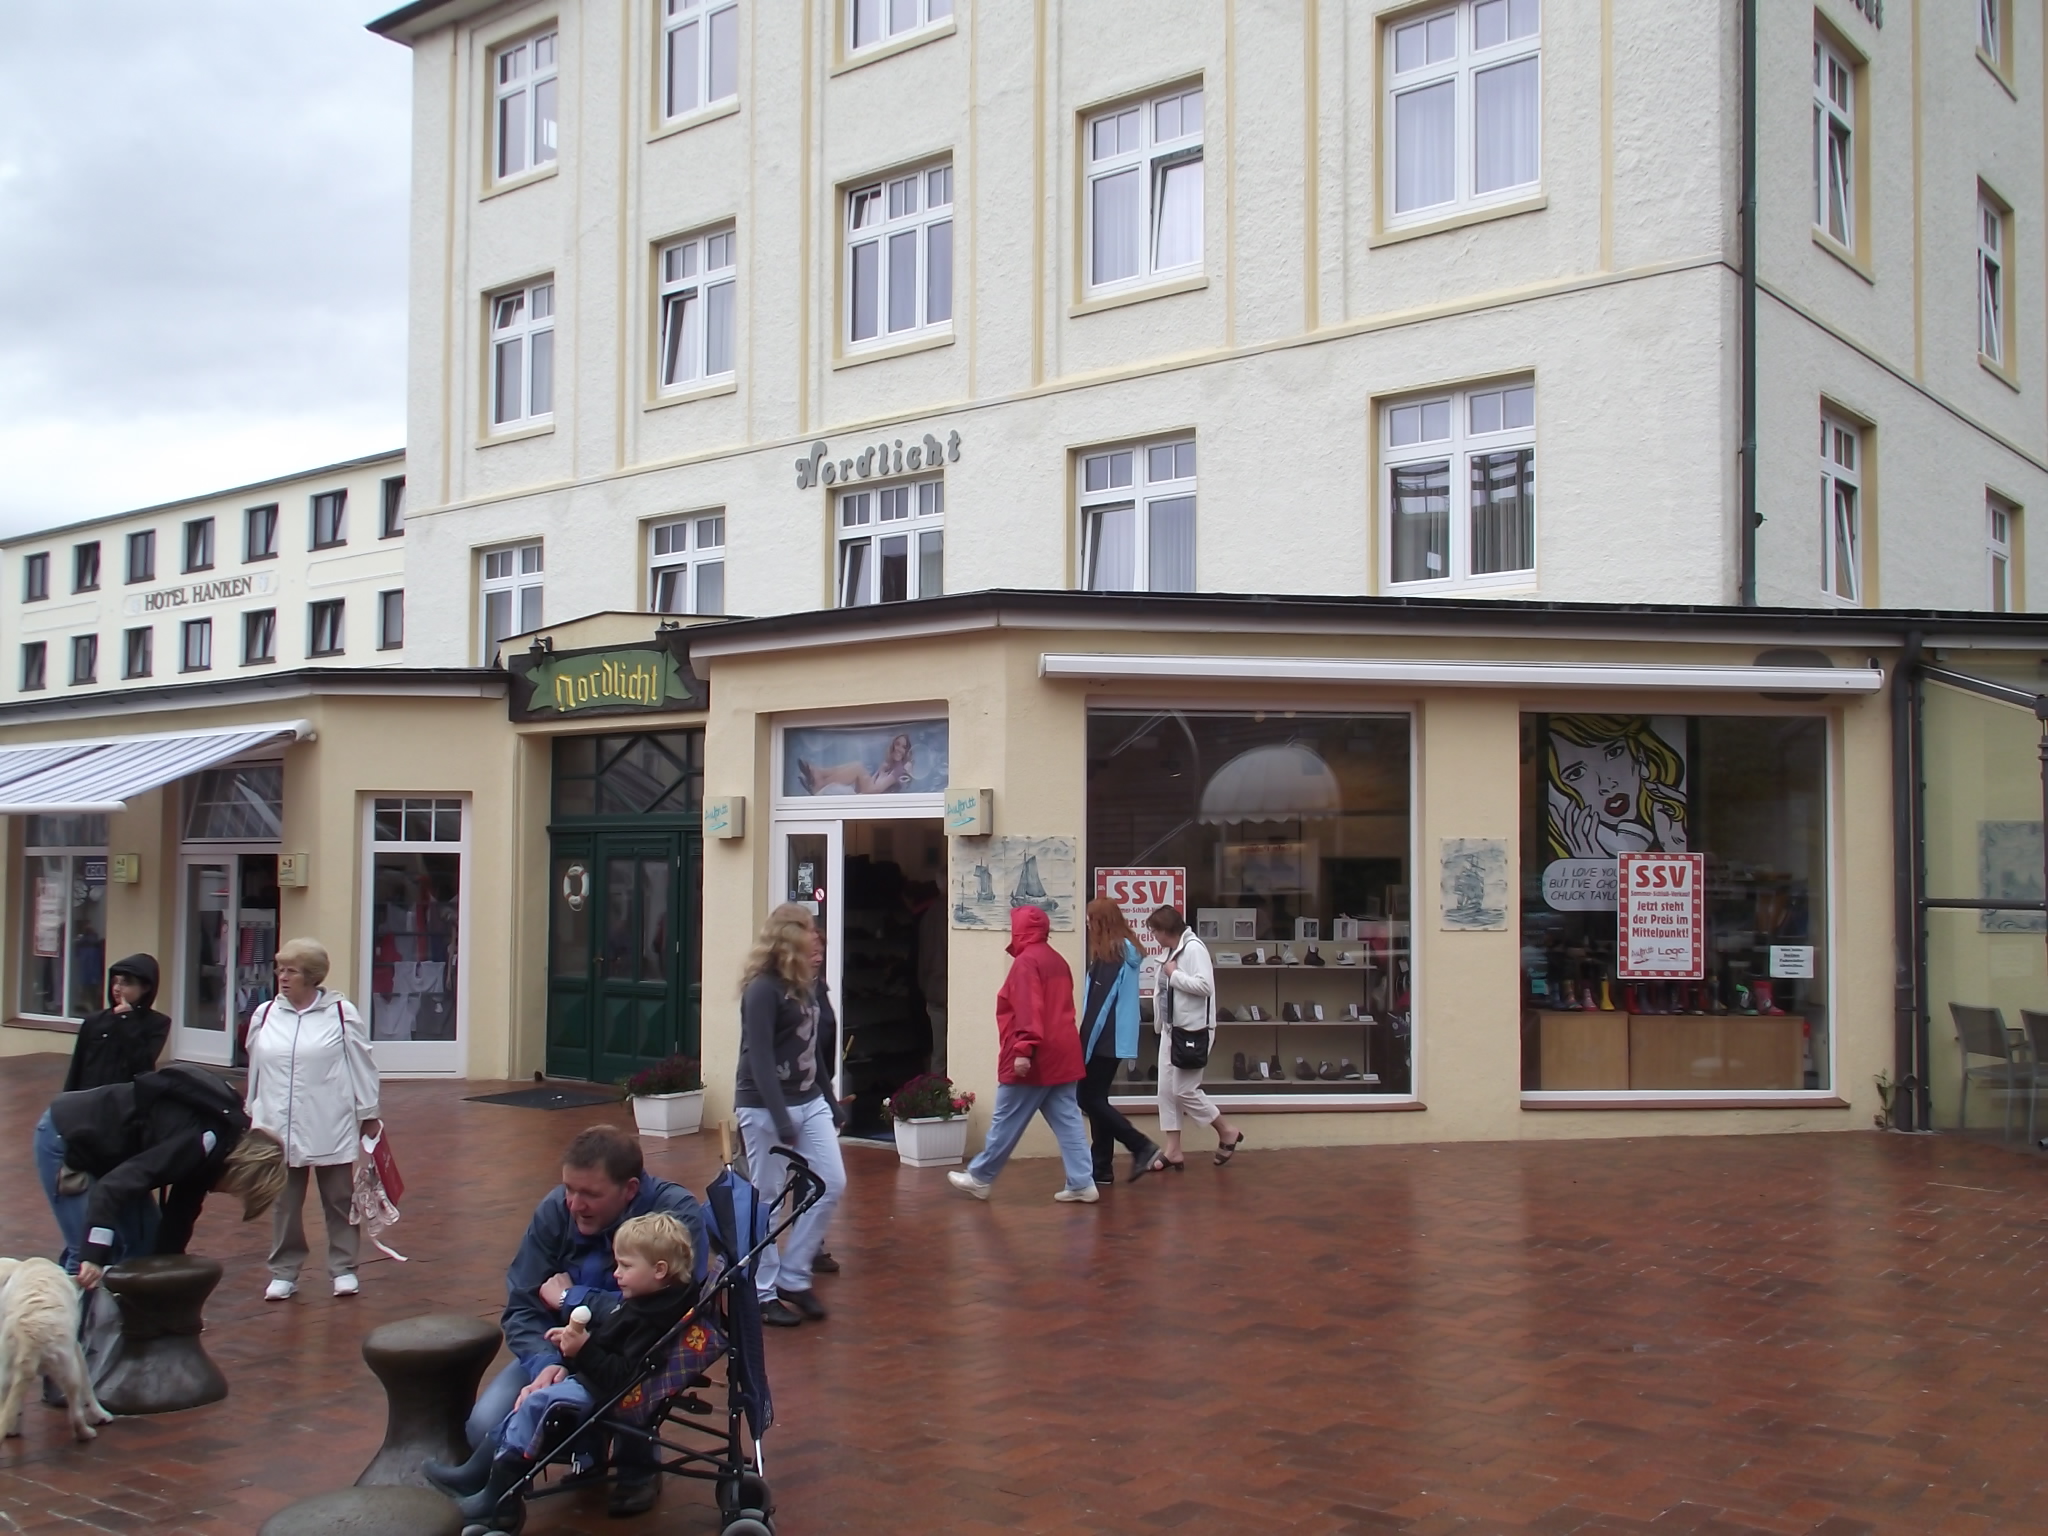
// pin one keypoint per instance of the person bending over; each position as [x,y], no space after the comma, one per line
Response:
[655,1271]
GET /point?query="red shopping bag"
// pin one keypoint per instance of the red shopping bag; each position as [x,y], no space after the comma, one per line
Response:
[386,1164]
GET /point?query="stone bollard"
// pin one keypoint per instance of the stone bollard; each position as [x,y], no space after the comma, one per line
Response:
[430,1367]
[368,1512]
[158,1365]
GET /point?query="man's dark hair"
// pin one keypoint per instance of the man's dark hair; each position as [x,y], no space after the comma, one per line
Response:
[617,1152]
[1167,920]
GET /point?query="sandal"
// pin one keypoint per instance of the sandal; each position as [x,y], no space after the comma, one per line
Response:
[1225,1154]
[1174,1164]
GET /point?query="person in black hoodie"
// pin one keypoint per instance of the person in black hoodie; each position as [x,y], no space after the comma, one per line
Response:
[656,1263]
[115,1045]
[182,1131]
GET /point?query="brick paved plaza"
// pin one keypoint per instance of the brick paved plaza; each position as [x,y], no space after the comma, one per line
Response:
[1787,1334]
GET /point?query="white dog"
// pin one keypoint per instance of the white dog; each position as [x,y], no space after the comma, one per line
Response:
[39,1333]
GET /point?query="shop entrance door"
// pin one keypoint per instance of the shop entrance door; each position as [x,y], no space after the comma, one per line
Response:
[227,901]
[622,951]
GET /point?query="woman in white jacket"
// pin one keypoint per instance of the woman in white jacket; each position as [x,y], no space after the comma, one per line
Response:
[313,1085]
[1187,1000]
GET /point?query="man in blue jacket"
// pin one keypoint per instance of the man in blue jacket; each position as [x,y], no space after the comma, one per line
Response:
[564,1262]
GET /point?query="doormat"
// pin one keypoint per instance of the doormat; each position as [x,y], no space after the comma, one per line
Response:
[549,1096]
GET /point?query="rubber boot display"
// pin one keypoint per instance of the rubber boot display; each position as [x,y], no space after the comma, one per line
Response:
[1765,1002]
[1607,994]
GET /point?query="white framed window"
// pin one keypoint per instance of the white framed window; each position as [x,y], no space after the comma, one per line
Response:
[1464,107]
[1138,517]
[1841,509]
[899,256]
[526,105]
[2001,536]
[1834,143]
[700,49]
[63,955]
[523,355]
[686,565]
[510,590]
[873,22]
[1991,30]
[195,645]
[1461,487]
[892,543]
[1144,198]
[1993,268]
[415,930]
[698,286]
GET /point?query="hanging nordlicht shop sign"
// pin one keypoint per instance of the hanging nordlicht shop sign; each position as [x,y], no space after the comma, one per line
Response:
[1663,917]
[604,680]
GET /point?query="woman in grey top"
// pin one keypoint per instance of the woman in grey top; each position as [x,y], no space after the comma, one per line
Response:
[783,1098]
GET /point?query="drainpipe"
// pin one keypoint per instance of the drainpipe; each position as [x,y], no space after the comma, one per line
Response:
[1746,573]
[1906,917]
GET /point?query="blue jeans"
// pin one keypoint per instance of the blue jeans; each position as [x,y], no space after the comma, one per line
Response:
[1016,1103]
[633,1458]
[523,1422]
[817,1140]
[134,1226]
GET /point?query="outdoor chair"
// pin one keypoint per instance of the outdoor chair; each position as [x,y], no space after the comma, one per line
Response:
[1982,1032]
[2035,1025]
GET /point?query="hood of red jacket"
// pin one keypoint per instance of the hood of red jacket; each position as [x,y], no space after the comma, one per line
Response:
[1028,926]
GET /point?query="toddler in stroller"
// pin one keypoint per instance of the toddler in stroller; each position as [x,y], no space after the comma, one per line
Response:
[654,1268]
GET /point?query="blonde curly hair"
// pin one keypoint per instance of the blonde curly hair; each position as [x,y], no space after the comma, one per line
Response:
[255,1172]
[783,949]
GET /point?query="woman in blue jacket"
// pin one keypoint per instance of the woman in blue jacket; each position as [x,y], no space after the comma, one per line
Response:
[1109,1034]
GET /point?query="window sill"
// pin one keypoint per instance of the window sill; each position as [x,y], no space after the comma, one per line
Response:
[1279,1104]
[897,349]
[260,661]
[321,549]
[696,119]
[1138,295]
[1998,73]
[701,392]
[258,559]
[45,1025]
[516,435]
[889,50]
[500,188]
[1999,372]
[1519,584]
[1845,256]
[1791,1098]
[1459,221]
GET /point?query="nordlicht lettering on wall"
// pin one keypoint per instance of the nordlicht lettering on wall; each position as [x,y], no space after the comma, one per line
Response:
[889,457]
[196,593]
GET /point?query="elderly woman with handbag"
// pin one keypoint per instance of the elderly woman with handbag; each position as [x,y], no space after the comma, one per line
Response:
[1186,1013]
[313,1085]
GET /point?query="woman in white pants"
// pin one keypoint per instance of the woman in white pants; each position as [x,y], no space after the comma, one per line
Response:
[1186,1000]
[313,1085]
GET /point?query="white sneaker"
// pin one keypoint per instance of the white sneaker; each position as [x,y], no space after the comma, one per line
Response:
[1086,1196]
[280,1290]
[346,1285]
[960,1178]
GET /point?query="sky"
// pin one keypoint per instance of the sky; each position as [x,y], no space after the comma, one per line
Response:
[202,247]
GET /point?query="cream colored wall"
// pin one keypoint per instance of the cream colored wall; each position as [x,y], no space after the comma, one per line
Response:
[1025,738]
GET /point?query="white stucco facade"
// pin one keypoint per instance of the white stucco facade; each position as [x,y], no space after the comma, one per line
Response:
[1610,282]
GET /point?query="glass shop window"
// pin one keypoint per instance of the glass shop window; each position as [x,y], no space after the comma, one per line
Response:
[64,916]
[1715,977]
[1291,834]
[657,773]
[236,805]
[415,905]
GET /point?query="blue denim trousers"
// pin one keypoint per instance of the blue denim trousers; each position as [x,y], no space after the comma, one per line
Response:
[134,1225]
[523,1423]
[1016,1103]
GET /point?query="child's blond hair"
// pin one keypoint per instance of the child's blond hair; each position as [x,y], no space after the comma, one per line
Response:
[658,1238]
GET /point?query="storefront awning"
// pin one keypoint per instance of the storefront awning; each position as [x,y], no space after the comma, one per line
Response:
[1460,674]
[75,777]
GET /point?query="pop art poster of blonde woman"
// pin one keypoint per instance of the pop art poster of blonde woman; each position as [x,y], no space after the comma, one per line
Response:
[1614,785]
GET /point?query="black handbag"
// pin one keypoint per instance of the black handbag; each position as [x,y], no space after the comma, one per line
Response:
[1188,1049]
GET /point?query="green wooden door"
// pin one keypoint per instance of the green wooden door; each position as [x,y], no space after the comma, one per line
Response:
[622,952]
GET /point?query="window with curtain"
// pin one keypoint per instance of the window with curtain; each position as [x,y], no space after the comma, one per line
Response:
[700,54]
[1463,110]
[686,565]
[892,543]
[1834,143]
[899,257]
[1461,487]
[1143,204]
[697,286]
[1138,517]
[1841,509]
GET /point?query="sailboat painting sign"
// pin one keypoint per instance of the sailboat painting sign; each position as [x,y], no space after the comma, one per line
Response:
[993,877]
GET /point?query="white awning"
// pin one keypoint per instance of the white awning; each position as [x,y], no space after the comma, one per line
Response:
[74,777]
[1460,674]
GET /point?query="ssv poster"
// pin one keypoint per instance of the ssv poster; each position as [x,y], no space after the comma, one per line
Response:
[1663,917]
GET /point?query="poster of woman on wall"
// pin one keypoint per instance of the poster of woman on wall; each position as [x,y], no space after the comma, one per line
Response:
[901,759]
[1614,784]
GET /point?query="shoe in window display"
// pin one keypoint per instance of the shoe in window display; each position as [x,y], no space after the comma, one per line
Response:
[1258,1014]
[1349,1072]
[1568,997]
[1607,994]
[1347,957]
[1286,953]
[1327,1072]
[1632,998]
[1225,1016]
[1229,957]
[1303,1070]
[1257,956]
[1350,1014]
[1238,1071]
[1316,1009]
[1313,957]
[1766,998]
[1291,1012]
[1273,1069]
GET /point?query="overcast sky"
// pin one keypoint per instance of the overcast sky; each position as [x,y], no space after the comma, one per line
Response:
[202,247]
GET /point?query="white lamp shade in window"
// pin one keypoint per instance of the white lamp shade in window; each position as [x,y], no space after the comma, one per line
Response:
[1284,783]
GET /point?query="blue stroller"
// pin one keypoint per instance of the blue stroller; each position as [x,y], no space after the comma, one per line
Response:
[669,1407]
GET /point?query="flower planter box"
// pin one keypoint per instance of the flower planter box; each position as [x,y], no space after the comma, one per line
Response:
[932,1143]
[669,1114]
